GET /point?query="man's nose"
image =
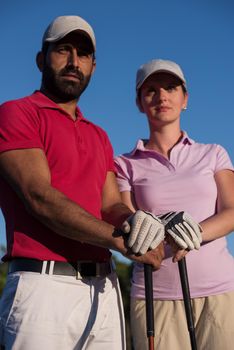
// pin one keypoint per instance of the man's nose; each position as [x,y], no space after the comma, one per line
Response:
[74,58]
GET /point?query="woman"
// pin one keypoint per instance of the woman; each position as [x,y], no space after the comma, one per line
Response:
[170,172]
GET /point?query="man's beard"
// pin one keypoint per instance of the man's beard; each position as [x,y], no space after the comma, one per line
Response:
[63,89]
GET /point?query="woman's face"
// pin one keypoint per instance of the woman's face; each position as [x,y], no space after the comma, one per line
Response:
[162,98]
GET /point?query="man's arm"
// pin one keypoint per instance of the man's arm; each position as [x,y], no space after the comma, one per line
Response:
[28,173]
[114,210]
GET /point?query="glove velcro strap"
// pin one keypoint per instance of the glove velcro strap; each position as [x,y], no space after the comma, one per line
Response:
[152,215]
[174,219]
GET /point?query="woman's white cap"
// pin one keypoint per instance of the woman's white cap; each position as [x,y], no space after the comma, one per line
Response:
[156,66]
[63,25]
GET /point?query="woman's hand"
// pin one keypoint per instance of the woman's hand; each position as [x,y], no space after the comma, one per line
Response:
[178,253]
[183,229]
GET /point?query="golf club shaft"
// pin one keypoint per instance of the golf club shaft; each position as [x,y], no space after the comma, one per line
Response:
[148,274]
[187,302]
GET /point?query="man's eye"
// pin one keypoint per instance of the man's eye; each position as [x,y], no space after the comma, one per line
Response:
[83,53]
[62,49]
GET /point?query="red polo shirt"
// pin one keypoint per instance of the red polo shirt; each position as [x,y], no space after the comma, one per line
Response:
[79,155]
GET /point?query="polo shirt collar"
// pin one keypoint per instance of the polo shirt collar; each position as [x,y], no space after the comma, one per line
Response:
[42,101]
[140,145]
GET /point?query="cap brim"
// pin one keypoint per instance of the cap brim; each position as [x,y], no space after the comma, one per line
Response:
[161,71]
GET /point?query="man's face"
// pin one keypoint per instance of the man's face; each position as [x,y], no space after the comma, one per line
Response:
[68,66]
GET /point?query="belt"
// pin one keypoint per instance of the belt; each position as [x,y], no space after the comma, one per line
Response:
[80,269]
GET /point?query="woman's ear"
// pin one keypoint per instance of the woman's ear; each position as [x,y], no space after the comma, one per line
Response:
[138,103]
[185,101]
[40,61]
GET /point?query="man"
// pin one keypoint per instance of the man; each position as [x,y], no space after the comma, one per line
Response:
[62,209]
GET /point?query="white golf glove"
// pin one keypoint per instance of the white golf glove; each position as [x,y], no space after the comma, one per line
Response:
[146,231]
[183,229]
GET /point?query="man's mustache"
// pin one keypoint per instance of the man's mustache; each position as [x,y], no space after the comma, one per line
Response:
[74,71]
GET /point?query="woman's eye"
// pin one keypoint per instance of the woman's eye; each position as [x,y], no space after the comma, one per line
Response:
[171,87]
[150,91]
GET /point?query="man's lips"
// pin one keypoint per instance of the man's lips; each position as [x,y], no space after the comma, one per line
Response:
[71,76]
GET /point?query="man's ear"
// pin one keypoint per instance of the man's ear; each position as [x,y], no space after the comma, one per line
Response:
[40,61]
[94,66]
[138,103]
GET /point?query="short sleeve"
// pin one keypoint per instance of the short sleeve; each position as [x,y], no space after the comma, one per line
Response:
[19,126]
[108,151]
[123,176]
[223,160]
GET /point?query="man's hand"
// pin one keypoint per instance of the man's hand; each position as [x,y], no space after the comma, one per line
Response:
[183,229]
[153,257]
[146,231]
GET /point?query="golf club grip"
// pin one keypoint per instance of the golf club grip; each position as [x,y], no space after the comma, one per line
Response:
[187,301]
[148,274]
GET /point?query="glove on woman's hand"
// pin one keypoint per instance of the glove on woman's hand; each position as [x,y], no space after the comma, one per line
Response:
[183,229]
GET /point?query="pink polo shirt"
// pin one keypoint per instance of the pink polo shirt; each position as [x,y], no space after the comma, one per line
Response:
[185,182]
[79,155]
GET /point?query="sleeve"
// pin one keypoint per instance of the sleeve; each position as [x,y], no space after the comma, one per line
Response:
[223,160]
[19,127]
[109,154]
[123,174]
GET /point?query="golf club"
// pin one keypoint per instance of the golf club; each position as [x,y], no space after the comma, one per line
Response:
[149,305]
[187,302]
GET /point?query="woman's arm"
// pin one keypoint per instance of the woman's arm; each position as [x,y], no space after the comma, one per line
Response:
[128,200]
[221,223]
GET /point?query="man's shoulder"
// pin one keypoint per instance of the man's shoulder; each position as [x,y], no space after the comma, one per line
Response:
[16,103]
[14,112]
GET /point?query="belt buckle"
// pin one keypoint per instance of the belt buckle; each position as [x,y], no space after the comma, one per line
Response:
[79,268]
[98,269]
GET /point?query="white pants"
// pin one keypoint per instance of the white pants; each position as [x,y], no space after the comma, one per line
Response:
[39,311]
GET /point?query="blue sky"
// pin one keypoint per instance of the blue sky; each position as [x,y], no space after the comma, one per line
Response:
[196,34]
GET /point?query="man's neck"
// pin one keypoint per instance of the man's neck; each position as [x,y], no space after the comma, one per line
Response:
[69,106]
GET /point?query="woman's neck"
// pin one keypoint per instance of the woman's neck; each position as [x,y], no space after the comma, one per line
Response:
[164,140]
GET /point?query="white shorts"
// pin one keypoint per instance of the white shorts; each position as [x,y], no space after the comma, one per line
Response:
[39,311]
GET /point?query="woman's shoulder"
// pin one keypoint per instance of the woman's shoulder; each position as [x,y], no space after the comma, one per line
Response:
[215,154]
[209,147]
[127,156]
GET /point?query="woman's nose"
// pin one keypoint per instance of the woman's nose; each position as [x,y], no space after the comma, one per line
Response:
[162,94]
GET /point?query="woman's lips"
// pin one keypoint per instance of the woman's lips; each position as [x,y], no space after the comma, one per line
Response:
[162,109]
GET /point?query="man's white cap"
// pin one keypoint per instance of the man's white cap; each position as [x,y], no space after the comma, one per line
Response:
[63,25]
[156,66]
